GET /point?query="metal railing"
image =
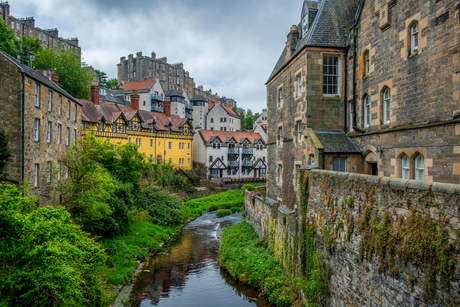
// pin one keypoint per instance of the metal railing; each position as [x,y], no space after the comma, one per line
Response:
[247,151]
[233,151]
[233,163]
[189,116]
[188,107]
[156,108]
[157,97]
[247,163]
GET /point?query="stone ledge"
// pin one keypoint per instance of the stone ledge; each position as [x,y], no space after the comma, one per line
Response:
[398,182]
[447,188]
[285,210]
[419,185]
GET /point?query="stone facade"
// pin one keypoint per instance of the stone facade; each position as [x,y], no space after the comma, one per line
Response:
[49,38]
[41,122]
[423,84]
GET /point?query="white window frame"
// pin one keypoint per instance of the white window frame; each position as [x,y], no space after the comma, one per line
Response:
[37,129]
[405,167]
[59,105]
[299,131]
[151,143]
[68,109]
[48,171]
[48,132]
[36,172]
[367,111]
[280,97]
[420,168]
[414,40]
[280,173]
[67,136]
[59,127]
[299,85]
[387,106]
[58,173]
[37,95]
[74,136]
[330,75]
[50,98]
[75,108]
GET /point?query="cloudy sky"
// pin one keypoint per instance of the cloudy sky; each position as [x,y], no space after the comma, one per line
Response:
[228,46]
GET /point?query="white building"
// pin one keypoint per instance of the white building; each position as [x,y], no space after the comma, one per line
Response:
[260,125]
[150,91]
[222,118]
[231,154]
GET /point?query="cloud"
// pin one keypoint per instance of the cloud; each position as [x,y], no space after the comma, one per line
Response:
[228,46]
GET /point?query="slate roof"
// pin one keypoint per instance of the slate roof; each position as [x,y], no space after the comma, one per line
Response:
[330,28]
[336,142]
[206,135]
[198,98]
[137,85]
[39,77]
[112,96]
[173,92]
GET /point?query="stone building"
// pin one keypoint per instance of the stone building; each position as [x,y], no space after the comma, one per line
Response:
[406,67]
[49,38]
[41,122]
[305,99]
[161,136]
[231,154]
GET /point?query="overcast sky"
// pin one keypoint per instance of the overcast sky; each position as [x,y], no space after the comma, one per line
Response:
[228,46]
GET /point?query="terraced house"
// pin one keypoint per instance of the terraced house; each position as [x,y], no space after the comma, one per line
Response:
[41,122]
[163,137]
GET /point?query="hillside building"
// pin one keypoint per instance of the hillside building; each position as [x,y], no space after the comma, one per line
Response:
[223,118]
[41,122]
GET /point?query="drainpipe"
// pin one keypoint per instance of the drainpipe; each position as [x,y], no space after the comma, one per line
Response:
[354,79]
[346,93]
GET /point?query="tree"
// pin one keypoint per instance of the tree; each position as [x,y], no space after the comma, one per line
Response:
[4,152]
[28,46]
[111,83]
[102,78]
[246,117]
[74,78]
[7,41]
[46,259]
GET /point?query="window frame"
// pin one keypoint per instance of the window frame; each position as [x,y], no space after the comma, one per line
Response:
[367,111]
[299,85]
[59,127]
[280,97]
[419,168]
[387,105]
[37,129]
[50,99]
[326,76]
[340,160]
[48,132]
[414,38]
[37,95]
[366,58]
[36,174]
[60,105]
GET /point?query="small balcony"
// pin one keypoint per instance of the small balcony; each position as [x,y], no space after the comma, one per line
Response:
[247,163]
[232,163]
[156,108]
[189,116]
[247,151]
[188,107]
[233,151]
[157,98]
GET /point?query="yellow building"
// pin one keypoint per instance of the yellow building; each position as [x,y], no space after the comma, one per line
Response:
[163,137]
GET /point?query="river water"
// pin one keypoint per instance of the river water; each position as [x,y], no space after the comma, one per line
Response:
[186,271]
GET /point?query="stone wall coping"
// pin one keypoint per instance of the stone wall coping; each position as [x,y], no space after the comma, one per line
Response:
[353,175]
[419,185]
[285,210]
[398,182]
[259,198]
[342,175]
[369,178]
[384,180]
[447,188]
[270,201]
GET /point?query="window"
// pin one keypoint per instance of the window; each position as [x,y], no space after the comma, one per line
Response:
[58,173]
[129,140]
[140,143]
[37,130]
[50,97]
[68,109]
[74,136]
[18,26]
[414,38]
[37,95]
[280,173]
[386,105]
[188,146]
[48,171]
[189,161]
[212,120]
[12,25]
[44,38]
[280,98]
[367,109]
[36,170]
[151,143]
[366,63]
[48,133]
[39,36]
[210,158]
[299,131]
[59,105]
[280,135]
[312,159]
[75,112]
[299,85]
[31,34]
[405,167]
[67,137]
[419,168]
[101,127]
[340,165]
[59,133]
[330,75]
[170,145]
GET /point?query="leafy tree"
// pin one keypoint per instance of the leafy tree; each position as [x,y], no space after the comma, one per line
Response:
[28,45]
[111,83]
[102,77]
[164,209]
[73,76]
[246,116]
[46,259]
[4,151]
[8,42]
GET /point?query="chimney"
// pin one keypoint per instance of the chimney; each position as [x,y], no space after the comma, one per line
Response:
[292,40]
[55,78]
[94,94]
[167,107]
[135,101]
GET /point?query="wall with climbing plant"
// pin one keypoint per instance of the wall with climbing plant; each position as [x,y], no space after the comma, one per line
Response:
[388,241]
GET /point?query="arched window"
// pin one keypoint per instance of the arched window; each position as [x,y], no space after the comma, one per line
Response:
[414,38]
[419,168]
[386,105]
[367,111]
[405,167]
[366,63]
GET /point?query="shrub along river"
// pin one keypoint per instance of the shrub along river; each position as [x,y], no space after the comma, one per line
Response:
[186,271]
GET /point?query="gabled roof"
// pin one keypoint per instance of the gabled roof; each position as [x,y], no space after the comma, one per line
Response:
[39,77]
[137,85]
[214,138]
[230,111]
[112,96]
[336,142]
[330,28]
[211,105]
[198,98]
[207,134]
[173,92]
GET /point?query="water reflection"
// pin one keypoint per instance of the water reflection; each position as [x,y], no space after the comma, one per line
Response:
[187,273]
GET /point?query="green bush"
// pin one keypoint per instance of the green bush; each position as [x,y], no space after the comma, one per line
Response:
[248,187]
[224,200]
[223,212]
[235,209]
[163,208]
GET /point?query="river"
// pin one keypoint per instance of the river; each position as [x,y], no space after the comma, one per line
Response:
[186,271]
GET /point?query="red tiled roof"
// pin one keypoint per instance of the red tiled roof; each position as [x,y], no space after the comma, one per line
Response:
[264,126]
[230,111]
[211,105]
[207,134]
[137,85]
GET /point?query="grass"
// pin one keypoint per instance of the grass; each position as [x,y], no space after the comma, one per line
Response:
[223,212]
[125,251]
[249,259]
[225,200]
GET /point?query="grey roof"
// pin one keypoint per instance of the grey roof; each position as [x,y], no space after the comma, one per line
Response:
[173,92]
[112,96]
[229,138]
[39,77]
[336,142]
[197,98]
[330,28]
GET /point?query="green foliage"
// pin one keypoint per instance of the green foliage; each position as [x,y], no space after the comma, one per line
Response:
[8,42]
[350,202]
[225,200]
[246,117]
[235,209]
[253,263]
[223,212]
[102,76]
[4,151]
[74,77]
[29,46]
[46,259]
[163,208]
[248,187]
[111,83]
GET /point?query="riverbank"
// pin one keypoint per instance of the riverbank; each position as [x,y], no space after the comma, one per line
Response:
[126,252]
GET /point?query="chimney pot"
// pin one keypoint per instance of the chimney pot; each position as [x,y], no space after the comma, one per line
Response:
[94,94]
[167,107]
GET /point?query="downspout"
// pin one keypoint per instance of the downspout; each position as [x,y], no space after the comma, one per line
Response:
[346,93]
[354,79]
[22,129]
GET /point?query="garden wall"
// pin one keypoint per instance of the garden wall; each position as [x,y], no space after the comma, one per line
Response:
[388,241]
